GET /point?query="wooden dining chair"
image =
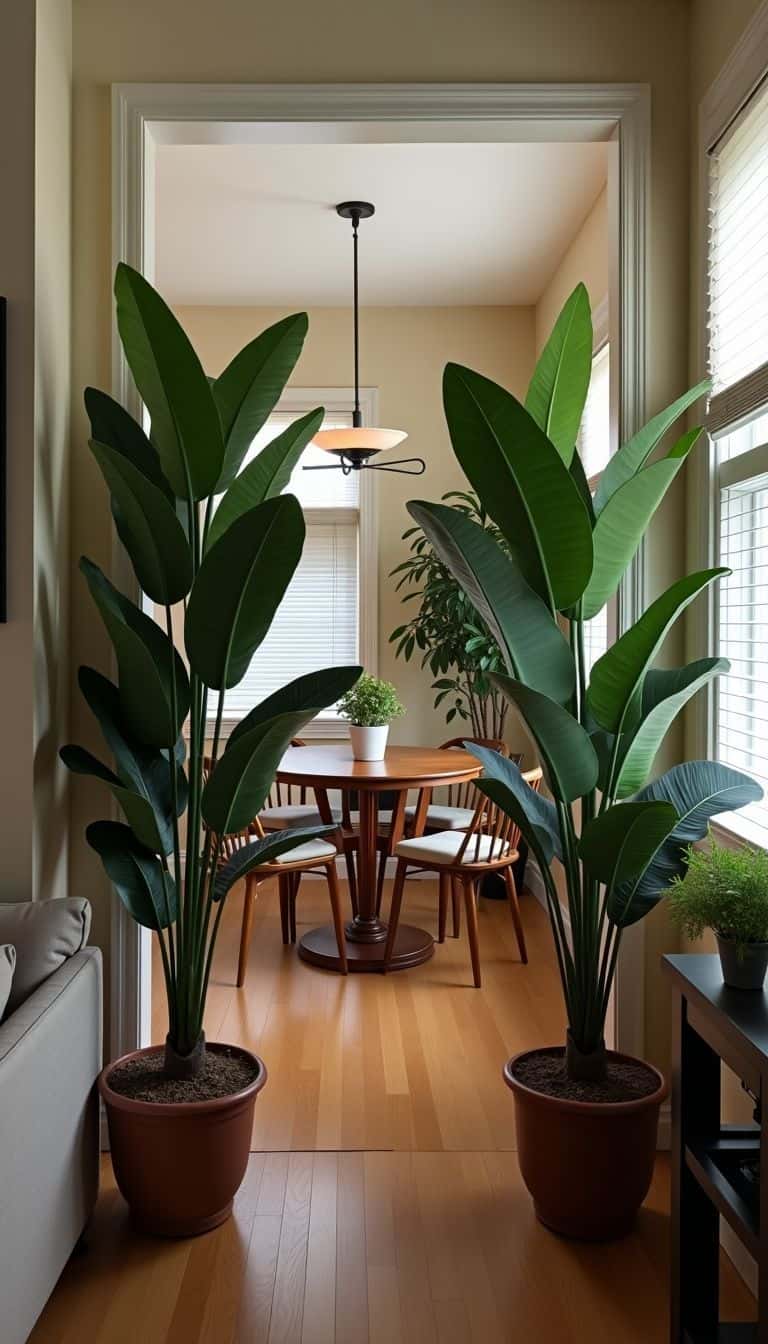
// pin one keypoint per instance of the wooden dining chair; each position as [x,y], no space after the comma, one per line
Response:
[453,811]
[289,805]
[488,845]
[288,868]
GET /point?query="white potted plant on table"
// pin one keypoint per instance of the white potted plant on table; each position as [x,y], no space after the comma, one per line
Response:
[370,706]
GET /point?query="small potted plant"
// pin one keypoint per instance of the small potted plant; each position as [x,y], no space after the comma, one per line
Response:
[726,890]
[370,706]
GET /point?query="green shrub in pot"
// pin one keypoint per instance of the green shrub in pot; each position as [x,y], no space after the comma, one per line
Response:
[618,835]
[370,706]
[726,890]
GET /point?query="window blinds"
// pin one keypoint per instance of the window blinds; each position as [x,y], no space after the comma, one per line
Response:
[317,623]
[741,710]
[738,266]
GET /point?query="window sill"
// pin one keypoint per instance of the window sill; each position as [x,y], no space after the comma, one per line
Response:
[737,830]
[320,729]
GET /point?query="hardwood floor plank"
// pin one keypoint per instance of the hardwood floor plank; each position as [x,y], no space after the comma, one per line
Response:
[288,1301]
[351,1269]
[319,1324]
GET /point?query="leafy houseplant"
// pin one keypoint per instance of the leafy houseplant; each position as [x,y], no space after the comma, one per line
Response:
[454,641]
[229,569]
[726,890]
[619,839]
[370,706]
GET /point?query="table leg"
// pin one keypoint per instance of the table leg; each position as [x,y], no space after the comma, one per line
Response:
[366,927]
[366,933]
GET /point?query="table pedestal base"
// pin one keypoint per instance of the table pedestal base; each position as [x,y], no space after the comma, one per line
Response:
[412,947]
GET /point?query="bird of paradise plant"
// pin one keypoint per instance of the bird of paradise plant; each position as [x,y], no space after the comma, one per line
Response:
[620,836]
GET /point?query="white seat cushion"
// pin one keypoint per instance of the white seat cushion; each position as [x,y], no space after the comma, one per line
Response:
[445,818]
[385,817]
[296,814]
[311,849]
[443,847]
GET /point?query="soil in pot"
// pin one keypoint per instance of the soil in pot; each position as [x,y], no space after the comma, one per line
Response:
[224,1072]
[586,1149]
[179,1161]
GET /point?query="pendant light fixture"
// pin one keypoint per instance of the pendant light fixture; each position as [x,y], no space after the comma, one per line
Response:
[356,445]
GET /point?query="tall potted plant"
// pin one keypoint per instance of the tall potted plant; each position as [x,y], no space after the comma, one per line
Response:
[180,1115]
[586,1116]
[452,638]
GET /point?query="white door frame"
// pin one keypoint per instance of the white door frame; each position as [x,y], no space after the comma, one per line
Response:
[145,115]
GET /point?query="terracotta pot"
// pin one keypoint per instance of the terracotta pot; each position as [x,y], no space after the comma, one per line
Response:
[587,1165]
[179,1164]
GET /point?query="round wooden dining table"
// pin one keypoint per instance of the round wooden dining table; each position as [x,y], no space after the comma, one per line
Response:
[333,767]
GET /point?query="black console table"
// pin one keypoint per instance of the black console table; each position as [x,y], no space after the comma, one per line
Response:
[714,1165]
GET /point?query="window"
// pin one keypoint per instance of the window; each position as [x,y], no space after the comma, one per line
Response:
[595,449]
[320,622]
[737,344]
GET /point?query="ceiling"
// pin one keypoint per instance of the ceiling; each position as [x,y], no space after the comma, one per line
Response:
[454,223]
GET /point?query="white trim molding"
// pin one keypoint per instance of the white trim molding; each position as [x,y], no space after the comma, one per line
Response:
[145,115]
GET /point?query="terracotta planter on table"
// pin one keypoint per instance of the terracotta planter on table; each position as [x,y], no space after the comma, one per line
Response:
[179,1164]
[587,1165]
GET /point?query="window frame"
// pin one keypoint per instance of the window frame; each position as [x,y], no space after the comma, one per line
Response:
[745,70]
[601,337]
[297,401]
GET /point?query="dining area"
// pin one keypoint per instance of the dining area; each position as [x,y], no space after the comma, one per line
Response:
[449,830]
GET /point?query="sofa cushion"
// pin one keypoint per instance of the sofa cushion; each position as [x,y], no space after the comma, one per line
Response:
[44,934]
[7,963]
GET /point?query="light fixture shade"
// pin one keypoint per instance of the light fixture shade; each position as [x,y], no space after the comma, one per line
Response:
[358,440]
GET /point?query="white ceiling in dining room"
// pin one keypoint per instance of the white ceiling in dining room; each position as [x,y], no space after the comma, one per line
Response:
[454,224]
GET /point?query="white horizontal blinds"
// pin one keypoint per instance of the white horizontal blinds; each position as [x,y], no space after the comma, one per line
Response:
[741,713]
[595,638]
[595,433]
[738,266]
[317,623]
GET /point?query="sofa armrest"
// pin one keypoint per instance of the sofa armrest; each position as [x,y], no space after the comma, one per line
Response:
[50,1056]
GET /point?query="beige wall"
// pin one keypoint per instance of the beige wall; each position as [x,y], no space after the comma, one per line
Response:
[53,246]
[587,259]
[492,40]
[403,353]
[35,100]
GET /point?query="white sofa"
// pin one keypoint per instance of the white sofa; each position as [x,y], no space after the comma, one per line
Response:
[50,1056]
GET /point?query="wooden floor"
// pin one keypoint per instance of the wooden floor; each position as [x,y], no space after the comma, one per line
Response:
[384,1204]
[410,1061]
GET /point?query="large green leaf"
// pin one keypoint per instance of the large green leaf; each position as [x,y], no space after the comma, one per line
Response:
[630,458]
[616,677]
[523,484]
[698,791]
[664,695]
[186,428]
[540,812]
[239,587]
[619,843]
[267,475]
[567,754]
[534,647]
[251,385]
[111,424]
[310,693]
[141,769]
[138,812]
[265,850]
[560,382]
[148,527]
[145,657]
[237,790]
[146,890]
[621,527]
